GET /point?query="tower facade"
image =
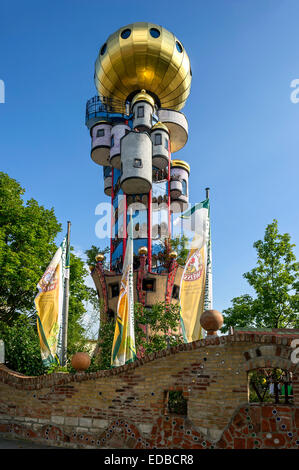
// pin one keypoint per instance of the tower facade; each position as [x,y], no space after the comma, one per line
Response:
[143,78]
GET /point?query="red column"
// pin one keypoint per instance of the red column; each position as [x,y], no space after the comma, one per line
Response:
[149,231]
[125,227]
[112,218]
[169,201]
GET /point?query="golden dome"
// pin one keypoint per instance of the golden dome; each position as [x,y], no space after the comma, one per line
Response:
[144,56]
[180,164]
[143,96]
[160,125]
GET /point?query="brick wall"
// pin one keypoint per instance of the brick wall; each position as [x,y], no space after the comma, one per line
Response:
[126,407]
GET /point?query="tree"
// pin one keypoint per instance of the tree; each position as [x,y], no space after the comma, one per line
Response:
[178,244]
[80,294]
[275,281]
[22,348]
[93,252]
[27,234]
[156,328]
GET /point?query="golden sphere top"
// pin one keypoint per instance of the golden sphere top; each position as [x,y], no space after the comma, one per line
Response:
[142,250]
[100,257]
[143,96]
[144,56]
[159,125]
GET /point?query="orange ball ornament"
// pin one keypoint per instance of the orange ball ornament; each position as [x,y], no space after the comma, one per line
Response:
[80,361]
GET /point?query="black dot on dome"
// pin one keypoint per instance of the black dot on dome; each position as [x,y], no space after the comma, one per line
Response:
[179,46]
[125,33]
[103,49]
[154,32]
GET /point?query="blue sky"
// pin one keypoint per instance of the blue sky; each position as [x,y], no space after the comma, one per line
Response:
[244,129]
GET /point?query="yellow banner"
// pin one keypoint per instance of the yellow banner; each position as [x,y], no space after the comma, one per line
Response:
[49,306]
[193,294]
[123,348]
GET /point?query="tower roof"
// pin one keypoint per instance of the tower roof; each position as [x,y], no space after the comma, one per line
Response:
[160,125]
[144,56]
[181,164]
[143,96]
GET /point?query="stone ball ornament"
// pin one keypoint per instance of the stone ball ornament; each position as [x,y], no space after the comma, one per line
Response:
[142,250]
[80,361]
[100,257]
[211,321]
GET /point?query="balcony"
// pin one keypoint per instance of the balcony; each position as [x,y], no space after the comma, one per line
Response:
[99,108]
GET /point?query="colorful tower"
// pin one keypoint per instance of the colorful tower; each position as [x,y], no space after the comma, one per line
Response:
[143,78]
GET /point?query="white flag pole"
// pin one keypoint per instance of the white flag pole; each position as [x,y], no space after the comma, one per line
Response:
[66,300]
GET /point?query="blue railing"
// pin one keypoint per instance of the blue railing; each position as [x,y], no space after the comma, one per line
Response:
[106,108]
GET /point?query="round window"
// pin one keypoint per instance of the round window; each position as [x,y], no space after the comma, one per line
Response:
[125,33]
[154,32]
[179,46]
[103,49]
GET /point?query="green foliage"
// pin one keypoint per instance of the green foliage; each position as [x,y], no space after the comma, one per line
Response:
[177,403]
[275,281]
[22,348]
[106,334]
[79,295]
[27,234]
[54,368]
[93,252]
[156,328]
[180,245]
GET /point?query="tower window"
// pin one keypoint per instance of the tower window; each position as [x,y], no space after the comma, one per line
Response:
[114,290]
[137,163]
[112,141]
[175,292]
[149,285]
[166,144]
[176,403]
[100,133]
[103,49]
[125,33]
[179,46]
[184,187]
[158,139]
[140,111]
[154,32]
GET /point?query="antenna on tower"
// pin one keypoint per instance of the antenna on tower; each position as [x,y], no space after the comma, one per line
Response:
[207,193]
